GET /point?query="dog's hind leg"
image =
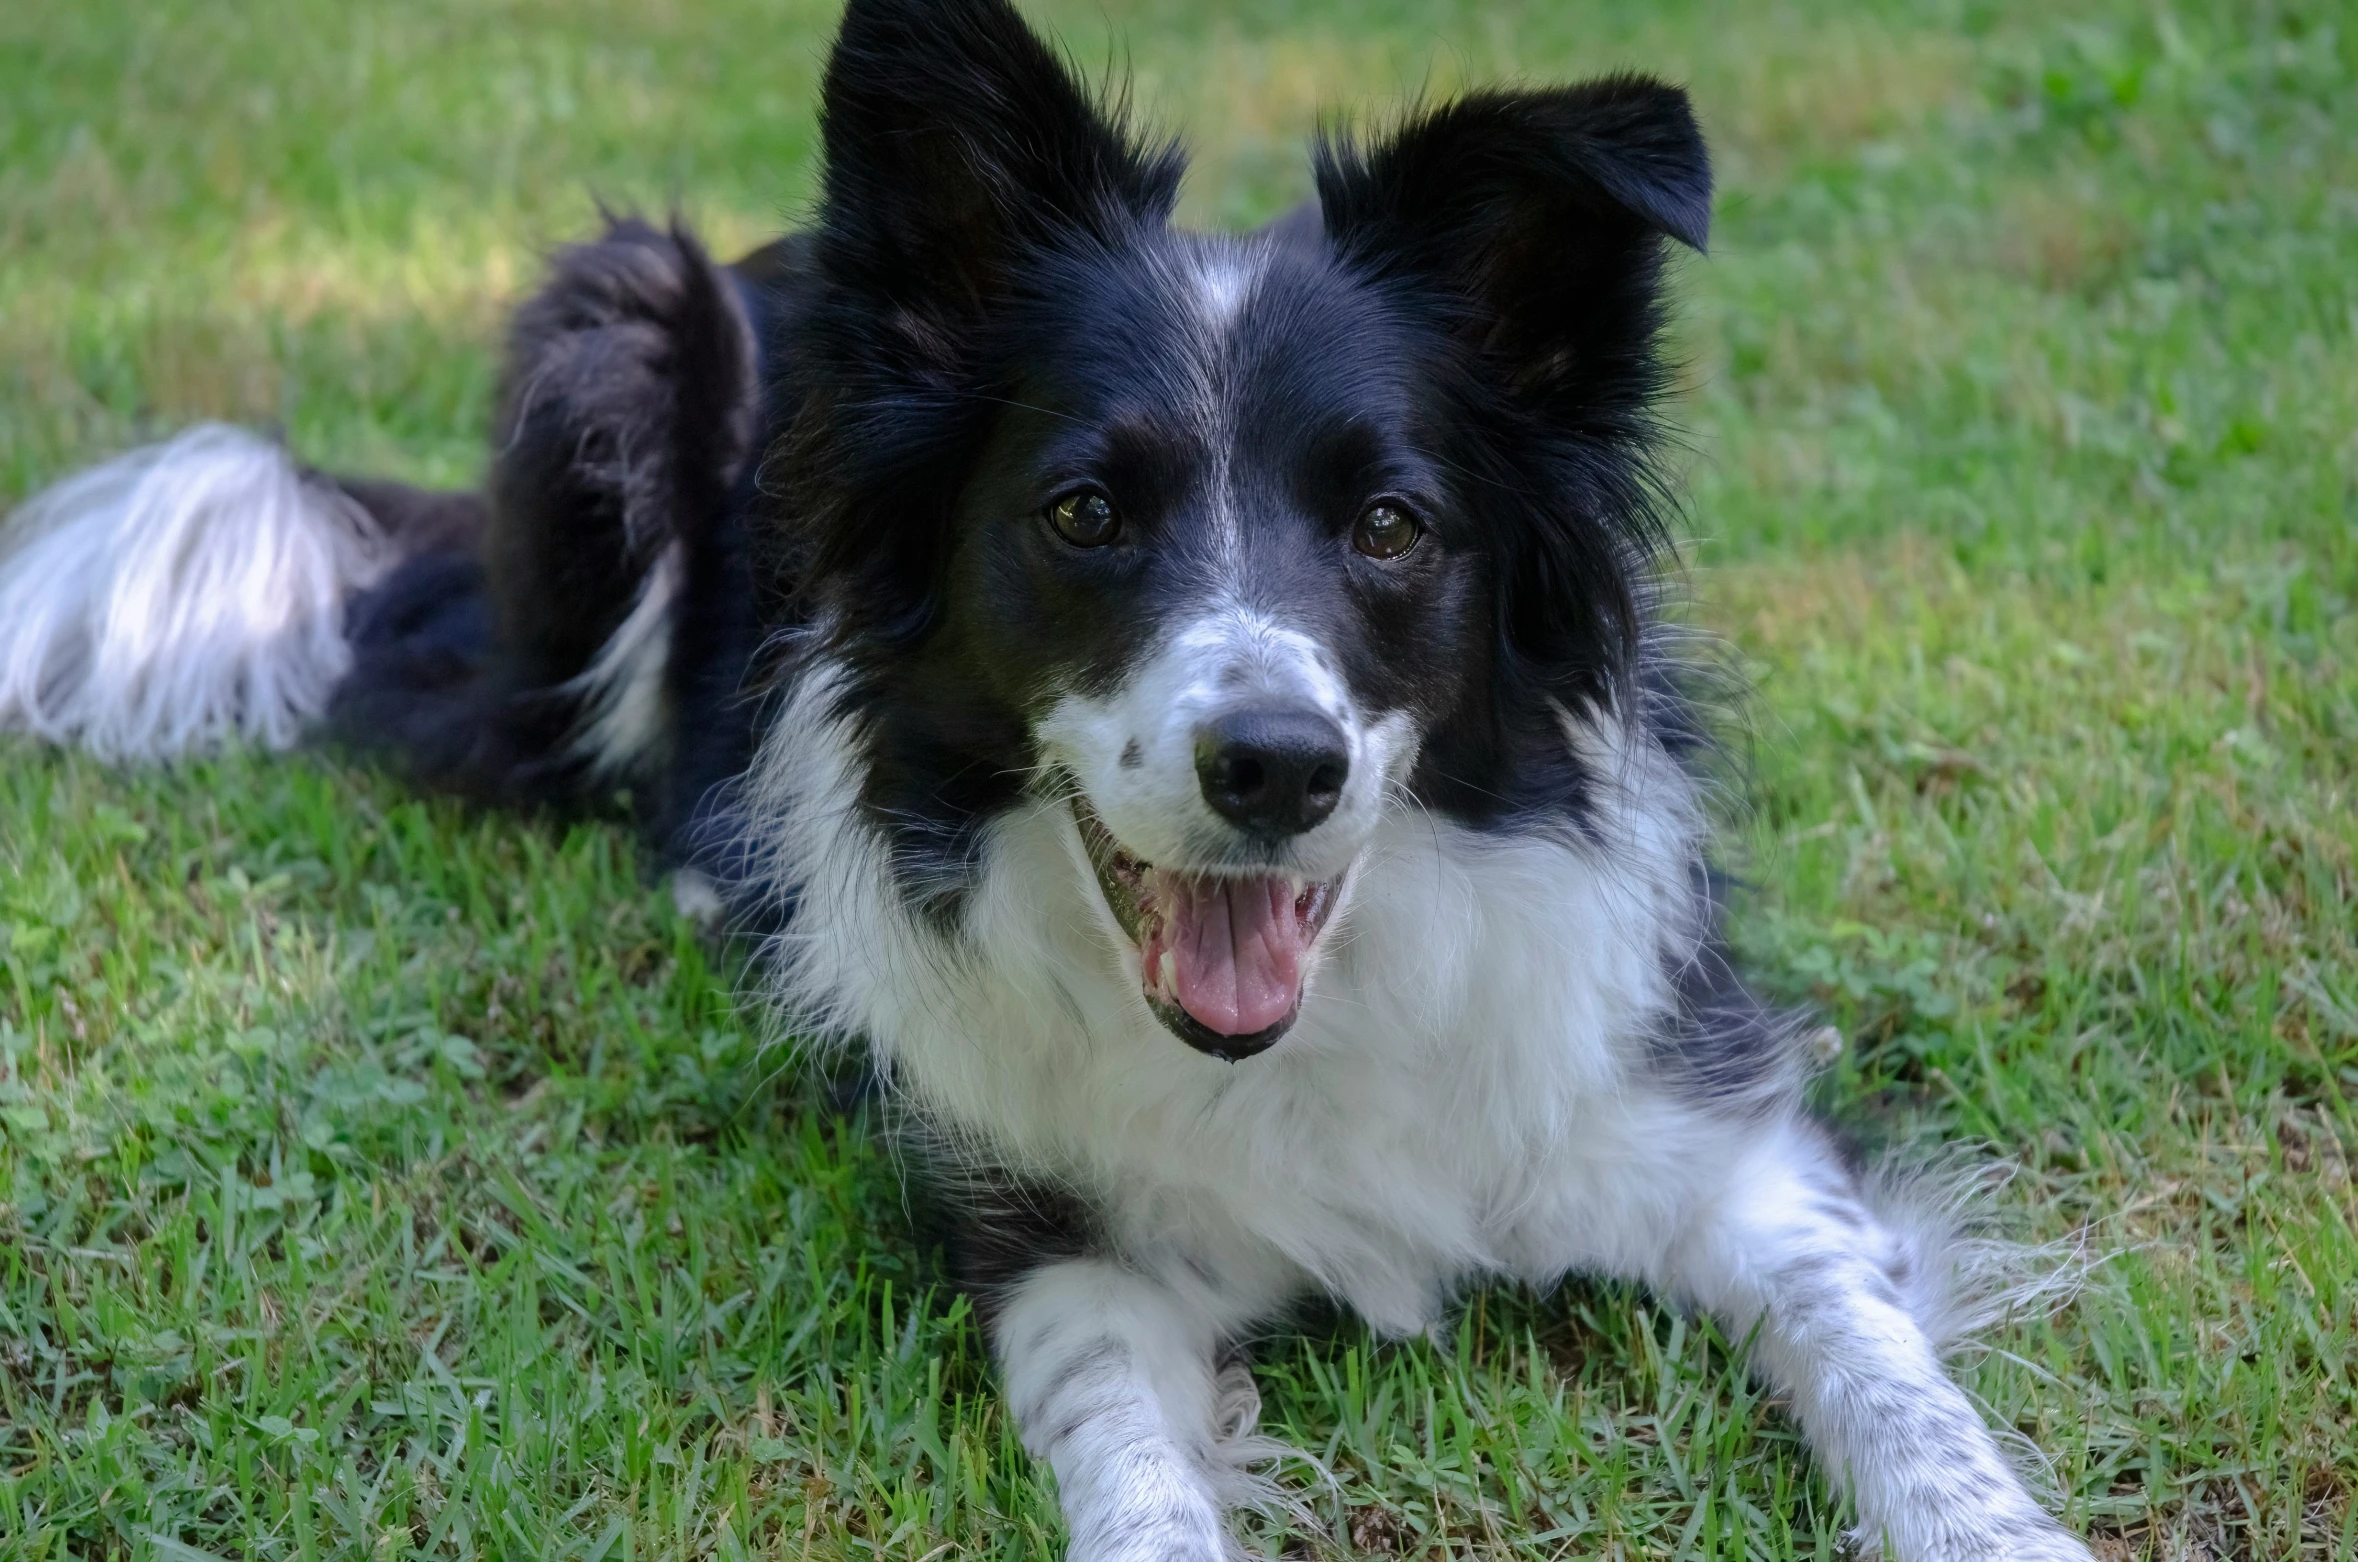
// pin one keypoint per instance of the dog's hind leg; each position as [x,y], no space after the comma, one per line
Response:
[626,414]
[1848,1308]
[538,662]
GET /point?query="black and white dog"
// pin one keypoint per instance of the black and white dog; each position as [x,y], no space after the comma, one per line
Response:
[1193,706]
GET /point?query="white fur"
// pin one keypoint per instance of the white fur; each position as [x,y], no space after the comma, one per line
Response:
[621,691]
[1466,1094]
[1223,283]
[178,597]
[1222,273]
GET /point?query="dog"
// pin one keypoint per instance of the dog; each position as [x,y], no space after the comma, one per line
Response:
[1197,709]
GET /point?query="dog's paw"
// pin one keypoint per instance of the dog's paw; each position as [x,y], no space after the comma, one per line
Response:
[2054,1546]
[1178,1531]
[2026,1539]
[2060,1545]
[1167,1547]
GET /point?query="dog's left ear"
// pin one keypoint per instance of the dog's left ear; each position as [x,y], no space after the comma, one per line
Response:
[1540,217]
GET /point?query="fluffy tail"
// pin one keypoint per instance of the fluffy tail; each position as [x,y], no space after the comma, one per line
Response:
[179,597]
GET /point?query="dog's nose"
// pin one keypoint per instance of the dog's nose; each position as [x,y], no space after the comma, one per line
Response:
[1274,772]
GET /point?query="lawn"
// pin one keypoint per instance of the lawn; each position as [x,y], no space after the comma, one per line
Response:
[377,1180]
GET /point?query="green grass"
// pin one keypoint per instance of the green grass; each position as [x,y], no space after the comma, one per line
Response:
[377,1181]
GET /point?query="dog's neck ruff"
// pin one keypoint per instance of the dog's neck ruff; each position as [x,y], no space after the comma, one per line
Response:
[1482,1001]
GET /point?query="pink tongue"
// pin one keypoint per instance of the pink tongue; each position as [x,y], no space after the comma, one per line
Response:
[1236,947]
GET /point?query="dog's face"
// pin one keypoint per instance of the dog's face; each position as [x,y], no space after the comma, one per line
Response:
[1230,544]
[1207,554]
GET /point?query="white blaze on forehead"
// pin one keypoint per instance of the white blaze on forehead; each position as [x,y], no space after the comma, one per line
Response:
[1223,282]
[1221,279]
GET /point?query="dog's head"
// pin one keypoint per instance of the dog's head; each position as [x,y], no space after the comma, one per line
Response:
[1232,544]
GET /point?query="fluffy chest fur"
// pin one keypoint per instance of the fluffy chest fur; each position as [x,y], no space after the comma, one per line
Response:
[1463,1093]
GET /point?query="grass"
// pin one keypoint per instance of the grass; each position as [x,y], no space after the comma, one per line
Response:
[378,1181]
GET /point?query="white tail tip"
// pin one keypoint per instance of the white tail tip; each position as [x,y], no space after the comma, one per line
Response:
[179,597]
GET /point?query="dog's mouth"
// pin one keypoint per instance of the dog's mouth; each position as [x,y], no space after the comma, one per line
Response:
[1222,957]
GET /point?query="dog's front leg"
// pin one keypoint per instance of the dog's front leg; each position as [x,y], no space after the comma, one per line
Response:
[1838,1301]
[1111,1376]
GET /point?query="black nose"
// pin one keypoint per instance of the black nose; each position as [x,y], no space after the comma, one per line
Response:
[1274,772]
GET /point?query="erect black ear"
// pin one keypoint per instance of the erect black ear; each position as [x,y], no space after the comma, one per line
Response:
[1541,216]
[955,141]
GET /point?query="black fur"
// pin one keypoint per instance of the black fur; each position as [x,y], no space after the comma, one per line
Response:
[961,159]
[626,414]
[996,1228]
[1723,1046]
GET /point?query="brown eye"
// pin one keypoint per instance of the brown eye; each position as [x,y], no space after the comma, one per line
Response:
[1085,518]
[1385,531]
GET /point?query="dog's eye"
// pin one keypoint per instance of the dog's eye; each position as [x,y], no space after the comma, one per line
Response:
[1385,530]
[1085,518]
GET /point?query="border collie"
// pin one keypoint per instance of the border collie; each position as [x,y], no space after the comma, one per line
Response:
[1193,707]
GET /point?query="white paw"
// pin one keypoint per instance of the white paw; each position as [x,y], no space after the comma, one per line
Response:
[2023,1539]
[1183,1533]
[1161,1548]
[2055,1546]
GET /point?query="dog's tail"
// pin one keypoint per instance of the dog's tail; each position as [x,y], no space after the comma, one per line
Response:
[181,596]
[514,645]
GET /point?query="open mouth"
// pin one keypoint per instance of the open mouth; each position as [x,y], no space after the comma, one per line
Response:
[1222,958]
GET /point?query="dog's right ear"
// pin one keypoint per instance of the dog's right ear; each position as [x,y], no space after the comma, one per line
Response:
[956,141]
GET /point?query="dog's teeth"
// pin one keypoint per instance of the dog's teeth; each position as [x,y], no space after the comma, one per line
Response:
[1296,883]
[1166,972]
